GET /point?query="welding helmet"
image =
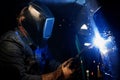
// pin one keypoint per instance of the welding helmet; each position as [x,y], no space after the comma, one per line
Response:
[38,22]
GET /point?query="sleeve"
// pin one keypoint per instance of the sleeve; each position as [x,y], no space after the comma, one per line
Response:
[11,54]
[51,63]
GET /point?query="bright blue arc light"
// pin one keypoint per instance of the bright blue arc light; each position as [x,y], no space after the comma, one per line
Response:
[101,42]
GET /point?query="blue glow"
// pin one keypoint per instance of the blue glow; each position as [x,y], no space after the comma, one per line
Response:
[58,1]
[48,28]
[84,27]
[38,54]
[87,44]
[81,2]
[102,43]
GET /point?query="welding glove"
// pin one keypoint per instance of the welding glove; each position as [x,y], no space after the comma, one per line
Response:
[63,72]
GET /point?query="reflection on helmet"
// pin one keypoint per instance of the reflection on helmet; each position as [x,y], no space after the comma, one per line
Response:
[38,22]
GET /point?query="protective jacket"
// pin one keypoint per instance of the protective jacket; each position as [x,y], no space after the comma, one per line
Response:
[17,58]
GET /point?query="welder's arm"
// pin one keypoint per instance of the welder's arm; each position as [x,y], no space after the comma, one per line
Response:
[12,53]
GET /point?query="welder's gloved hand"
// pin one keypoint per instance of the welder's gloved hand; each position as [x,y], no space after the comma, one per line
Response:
[63,72]
[67,71]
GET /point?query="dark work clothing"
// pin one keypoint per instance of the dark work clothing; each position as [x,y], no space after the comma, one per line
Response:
[17,57]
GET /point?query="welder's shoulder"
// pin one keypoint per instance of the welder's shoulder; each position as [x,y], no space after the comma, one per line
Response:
[11,39]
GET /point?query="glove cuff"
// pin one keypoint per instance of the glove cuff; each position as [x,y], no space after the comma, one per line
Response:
[56,75]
